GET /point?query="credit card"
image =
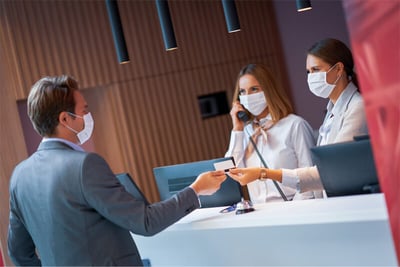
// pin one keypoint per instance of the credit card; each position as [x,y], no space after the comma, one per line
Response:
[224,165]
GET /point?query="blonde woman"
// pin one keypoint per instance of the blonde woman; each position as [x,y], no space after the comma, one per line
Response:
[282,139]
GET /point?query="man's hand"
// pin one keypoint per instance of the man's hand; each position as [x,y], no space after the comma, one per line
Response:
[207,183]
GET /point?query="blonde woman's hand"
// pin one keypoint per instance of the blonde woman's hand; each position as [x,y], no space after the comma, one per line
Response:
[245,175]
[238,125]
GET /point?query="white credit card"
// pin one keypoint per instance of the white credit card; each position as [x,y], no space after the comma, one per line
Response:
[224,165]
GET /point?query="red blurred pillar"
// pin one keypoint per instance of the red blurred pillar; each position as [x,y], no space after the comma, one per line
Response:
[374,27]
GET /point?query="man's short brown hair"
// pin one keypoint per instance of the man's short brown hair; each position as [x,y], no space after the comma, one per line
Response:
[47,99]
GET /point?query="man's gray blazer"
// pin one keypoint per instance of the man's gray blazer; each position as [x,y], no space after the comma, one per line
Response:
[69,207]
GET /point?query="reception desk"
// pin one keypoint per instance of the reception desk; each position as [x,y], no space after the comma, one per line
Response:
[351,230]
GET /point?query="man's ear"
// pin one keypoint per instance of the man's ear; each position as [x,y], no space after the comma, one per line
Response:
[63,117]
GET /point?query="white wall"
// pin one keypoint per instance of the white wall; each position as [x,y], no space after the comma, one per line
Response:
[299,30]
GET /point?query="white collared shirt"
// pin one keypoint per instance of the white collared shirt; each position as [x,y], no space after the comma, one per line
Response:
[69,143]
[288,144]
[347,120]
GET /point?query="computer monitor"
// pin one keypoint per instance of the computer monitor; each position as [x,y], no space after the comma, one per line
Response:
[173,178]
[130,186]
[346,168]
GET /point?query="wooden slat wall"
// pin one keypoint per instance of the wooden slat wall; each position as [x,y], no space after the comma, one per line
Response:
[12,146]
[146,112]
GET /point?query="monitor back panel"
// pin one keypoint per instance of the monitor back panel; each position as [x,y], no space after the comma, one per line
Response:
[346,168]
[173,178]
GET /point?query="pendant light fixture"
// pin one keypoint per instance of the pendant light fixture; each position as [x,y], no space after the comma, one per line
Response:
[166,25]
[117,32]
[303,5]
[231,16]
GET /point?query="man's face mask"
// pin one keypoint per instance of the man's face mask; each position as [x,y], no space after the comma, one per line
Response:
[87,131]
[254,103]
[318,84]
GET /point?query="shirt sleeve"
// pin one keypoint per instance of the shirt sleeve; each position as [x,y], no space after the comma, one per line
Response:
[303,179]
[236,147]
[198,199]
[303,140]
[290,179]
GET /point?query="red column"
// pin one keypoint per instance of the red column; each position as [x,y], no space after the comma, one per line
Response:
[374,28]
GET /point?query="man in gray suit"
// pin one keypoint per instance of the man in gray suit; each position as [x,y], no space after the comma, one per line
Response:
[66,205]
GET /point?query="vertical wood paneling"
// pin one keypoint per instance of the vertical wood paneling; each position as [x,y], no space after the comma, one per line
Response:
[12,147]
[146,112]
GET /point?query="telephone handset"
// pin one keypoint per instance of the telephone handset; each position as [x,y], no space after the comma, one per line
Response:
[243,116]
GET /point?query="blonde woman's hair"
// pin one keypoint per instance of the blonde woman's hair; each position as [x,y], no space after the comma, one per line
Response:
[279,104]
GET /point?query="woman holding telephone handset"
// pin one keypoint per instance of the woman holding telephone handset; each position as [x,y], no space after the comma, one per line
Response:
[281,139]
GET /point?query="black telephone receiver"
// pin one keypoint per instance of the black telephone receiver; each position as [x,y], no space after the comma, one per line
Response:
[243,116]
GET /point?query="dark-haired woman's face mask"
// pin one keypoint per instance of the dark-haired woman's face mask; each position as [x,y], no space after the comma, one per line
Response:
[318,84]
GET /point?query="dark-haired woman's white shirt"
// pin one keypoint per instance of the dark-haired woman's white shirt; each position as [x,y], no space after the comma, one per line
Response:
[344,120]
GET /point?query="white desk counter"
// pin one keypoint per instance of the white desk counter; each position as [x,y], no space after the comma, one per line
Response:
[346,231]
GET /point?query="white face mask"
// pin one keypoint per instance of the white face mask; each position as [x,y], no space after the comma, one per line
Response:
[254,103]
[318,84]
[87,131]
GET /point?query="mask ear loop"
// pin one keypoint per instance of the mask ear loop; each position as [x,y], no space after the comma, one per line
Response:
[72,115]
[71,129]
[337,79]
